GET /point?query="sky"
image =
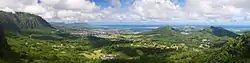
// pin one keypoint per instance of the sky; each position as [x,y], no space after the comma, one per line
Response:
[138,11]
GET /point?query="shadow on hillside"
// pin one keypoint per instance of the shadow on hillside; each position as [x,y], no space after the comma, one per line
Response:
[101,42]
[6,53]
[59,36]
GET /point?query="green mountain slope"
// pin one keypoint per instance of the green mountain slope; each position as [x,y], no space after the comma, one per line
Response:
[30,21]
[18,22]
[22,21]
[235,51]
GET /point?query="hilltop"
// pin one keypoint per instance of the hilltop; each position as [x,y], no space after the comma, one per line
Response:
[162,30]
[219,31]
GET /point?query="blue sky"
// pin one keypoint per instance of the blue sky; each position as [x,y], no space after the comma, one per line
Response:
[105,3]
[177,22]
[126,3]
[137,11]
[181,3]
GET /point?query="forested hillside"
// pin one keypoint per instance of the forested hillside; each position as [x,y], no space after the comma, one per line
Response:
[38,42]
[235,51]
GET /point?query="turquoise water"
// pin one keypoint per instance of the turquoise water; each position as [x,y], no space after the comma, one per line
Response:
[141,28]
[136,28]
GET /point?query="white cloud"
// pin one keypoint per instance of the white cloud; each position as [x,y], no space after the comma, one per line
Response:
[6,9]
[194,9]
[35,9]
[140,9]
[75,5]
[50,2]
[213,8]
[157,9]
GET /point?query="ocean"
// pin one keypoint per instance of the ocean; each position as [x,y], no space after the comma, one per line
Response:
[143,28]
[136,28]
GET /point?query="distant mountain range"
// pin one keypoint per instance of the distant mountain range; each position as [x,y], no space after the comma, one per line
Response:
[217,31]
[70,25]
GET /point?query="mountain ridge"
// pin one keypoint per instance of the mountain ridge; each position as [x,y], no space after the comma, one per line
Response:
[22,21]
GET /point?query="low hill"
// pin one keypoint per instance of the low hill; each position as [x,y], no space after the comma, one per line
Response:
[217,31]
[213,36]
[161,30]
[220,32]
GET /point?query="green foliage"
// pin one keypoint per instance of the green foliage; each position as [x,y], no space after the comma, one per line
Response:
[127,49]
[235,51]
[32,40]
[46,51]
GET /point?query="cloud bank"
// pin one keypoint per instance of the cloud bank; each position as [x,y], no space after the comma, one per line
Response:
[139,9]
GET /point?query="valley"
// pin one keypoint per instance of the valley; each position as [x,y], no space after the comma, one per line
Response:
[27,38]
